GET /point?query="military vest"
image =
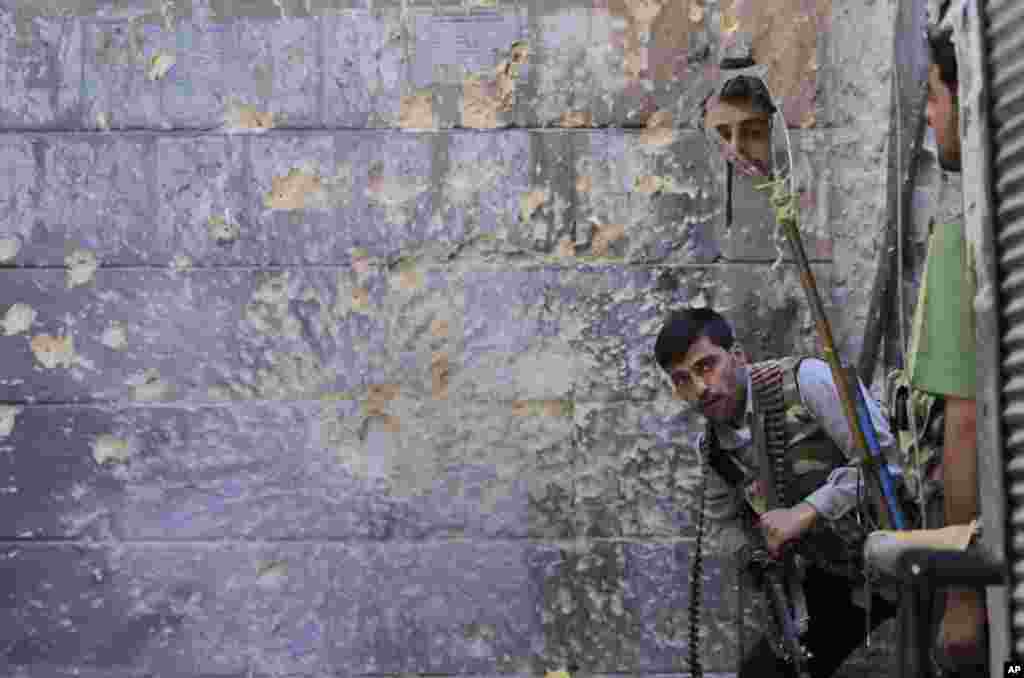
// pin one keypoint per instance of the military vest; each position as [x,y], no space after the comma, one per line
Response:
[811,454]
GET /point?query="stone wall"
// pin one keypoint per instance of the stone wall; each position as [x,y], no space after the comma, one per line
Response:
[327,324]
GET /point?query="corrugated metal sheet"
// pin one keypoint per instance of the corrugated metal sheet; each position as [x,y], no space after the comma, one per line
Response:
[1004,38]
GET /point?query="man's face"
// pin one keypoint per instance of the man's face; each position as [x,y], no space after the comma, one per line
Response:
[707,377]
[944,118]
[745,132]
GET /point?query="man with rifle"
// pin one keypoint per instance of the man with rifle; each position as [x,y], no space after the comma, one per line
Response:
[781,489]
[941,363]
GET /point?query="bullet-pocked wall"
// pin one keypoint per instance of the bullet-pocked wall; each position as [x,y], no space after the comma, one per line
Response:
[327,324]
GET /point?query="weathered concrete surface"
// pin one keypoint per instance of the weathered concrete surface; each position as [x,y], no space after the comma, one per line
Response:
[326,325]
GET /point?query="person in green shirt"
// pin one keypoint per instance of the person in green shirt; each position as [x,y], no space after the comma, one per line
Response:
[942,359]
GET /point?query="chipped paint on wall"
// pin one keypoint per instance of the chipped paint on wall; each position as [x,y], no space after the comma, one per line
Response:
[658,131]
[82,264]
[573,119]
[304,188]
[160,65]
[113,449]
[18,319]
[242,117]
[223,230]
[439,370]
[115,336]
[9,248]
[8,415]
[408,276]
[148,386]
[396,194]
[417,112]
[53,351]
[181,263]
[268,311]
[377,398]
[656,37]
[543,408]
[485,97]
[603,236]
[467,180]
[531,201]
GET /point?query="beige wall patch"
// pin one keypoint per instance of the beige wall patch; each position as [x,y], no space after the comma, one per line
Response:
[53,351]
[604,236]
[243,117]
[377,398]
[531,201]
[417,111]
[439,371]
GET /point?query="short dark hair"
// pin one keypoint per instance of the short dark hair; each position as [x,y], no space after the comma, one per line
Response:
[943,55]
[754,88]
[684,328]
[742,86]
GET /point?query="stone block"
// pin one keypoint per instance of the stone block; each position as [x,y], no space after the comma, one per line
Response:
[485,178]
[299,188]
[21,198]
[659,578]
[646,197]
[365,68]
[204,213]
[452,44]
[449,607]
[512,347]
[74,193]
[546,216]
[637,475]
[125,64]
[614,62]
[53,487]
[323,198]
[198,91]
[144,335]
[393,178]
[859,51]
[165,608]
[517,465]
[559,82]
[614,316]
[40,69]
[275,68]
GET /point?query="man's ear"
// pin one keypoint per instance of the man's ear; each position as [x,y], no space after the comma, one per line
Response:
[739,354]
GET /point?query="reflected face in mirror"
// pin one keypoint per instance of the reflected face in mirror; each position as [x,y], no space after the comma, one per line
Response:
[745,133]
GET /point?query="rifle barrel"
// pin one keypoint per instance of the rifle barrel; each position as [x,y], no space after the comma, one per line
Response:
[880,483]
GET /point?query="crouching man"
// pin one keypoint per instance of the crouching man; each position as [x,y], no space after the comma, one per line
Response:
[791,408]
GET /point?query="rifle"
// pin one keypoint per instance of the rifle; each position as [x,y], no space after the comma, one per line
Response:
[880,485]
[790,619]
[783,580]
